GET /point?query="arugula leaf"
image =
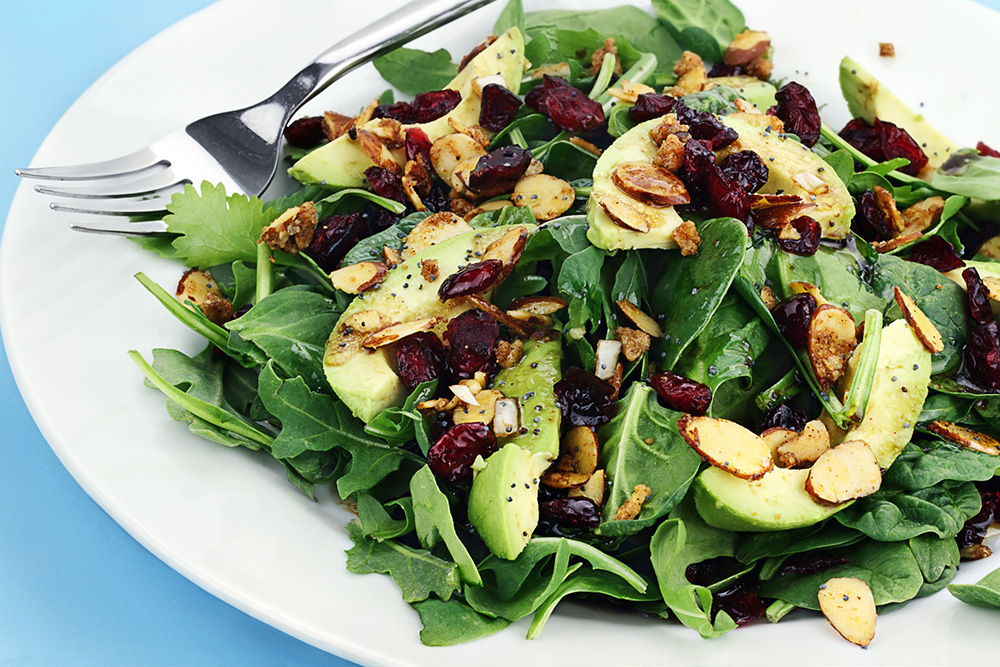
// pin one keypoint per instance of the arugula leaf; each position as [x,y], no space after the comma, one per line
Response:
[402,424]
[451,622]
[434,523]
[892,514]
[983,593]
[417,572]
[704,26]
[378,523]
[970,174]
[512,16]
[514,589]
[413,71]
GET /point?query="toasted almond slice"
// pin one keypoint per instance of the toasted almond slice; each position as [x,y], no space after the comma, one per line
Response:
[503,318]
[631,508]
[886,203]
[336,124]
[464,393]
[616,380]
[923,215]
[558,479]
[845,472]
[806,448]
[746,47]
[635,343]
[777,436]
[965,437]
[606,358]
[811,183]
[767,296]
[538,305]
[831,339]
[991,286]
[433,230]
[488,206]
[625,211]
[459,178]
[778,216]
[848,604]
[799,287]
[397,331]
[975,552]
[391,256]
[727,445]
[650,184]
[580,444]
[639,318]
[628,91]
[991,248]
[507,249]
[561,70]
[585,145]
[761,200]
[389,130]
[356,278]
[479,83]
[898,242]
[364,322]
[482,413]
[474,132]
[922,326]
[509,354]
[534,167]
[366,113]
[376,150]
[592,489]
[547,197]
[530,319]
[451,149]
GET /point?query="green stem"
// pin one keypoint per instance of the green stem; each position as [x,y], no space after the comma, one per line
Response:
[265,274]
[194,321]
[780,392]
[603,78]
[830,135]
[777,610]
[864,375]
[517,137]
[638,73]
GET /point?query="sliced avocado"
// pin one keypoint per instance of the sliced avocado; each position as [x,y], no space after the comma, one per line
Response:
[366,380]
[503,502]
[789,161]
[867,98]
[531,382]
[342,162]
[779,501]
[760,93]
[633,146]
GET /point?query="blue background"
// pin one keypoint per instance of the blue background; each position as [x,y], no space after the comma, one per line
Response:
[75,589]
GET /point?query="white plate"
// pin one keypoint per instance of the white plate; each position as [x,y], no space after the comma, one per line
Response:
[228,520]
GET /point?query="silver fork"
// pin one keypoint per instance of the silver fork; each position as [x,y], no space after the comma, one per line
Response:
[240,148]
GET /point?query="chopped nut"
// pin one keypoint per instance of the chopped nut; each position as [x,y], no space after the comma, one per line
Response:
[581,143]
[670,154]
[887,205]
[506,417]
[538,305]
[476,50]
[391,256]
[429,270]
[965,437]
[377,151]
[606,358]
[747,47]
[635,343]
[848,604]
[416,179]
[597,60]
[975,552]
[631,508]
[922,326]
[292,231]
[217,308]
[508,354]
[650,184]
[887,49]
[366,113]
[922,215]
[845,472]
[482,413]
[462,207]
[767,296]
[760,68]
[639,318]
[389,130]
[687,238]
[336,124]
[203,291]
[669,126]
[438,405]
[727,445]
[360,277]
[474,132]
[691,73]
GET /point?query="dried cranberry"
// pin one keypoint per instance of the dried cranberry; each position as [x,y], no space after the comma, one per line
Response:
[859,133]
[401,111]
[973,237]
[793,317]
[651,105]
[452,455]
[936,253]
[810,563]
[704,125]
[419,359]
[499,170]
[680,393]
[712,570]
[472,341]
[699,162]
[377,219]
[726,198]
[746,169]
[499,107]
[883,141]
[585,399]
[434,104]
[982,357]
[418,145]
[740,600]
[869,222]
[333,237]
[979,303]
[809,234]
[473,279]
[569,109]
[386,184]
[571,511]
[305,132]
[986,151]
[721,69]
[783,416]
[797,110]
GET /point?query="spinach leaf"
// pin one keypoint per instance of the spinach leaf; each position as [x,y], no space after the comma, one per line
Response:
[837,275]
[376,521]
[508,215]
[630,279]
[938,561]
[370,248]
[777,544]
[418,573]
[970,174]
[512,16]
[718,100]
[641,445]
[432,514]
[693,287]
[450,622]
[564,236]
[894,514]
[413,71]
[984,593]
[581,279]
[945,407]
[704,26]
[929,463]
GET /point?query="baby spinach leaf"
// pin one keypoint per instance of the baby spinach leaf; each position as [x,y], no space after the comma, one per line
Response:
[370,248]
[413,71]
[508,215]
[984,593]
[894,514]
[693,287]
[777,544]
[641,445]
[563,236]
[970,174]
[938,561]
[945,407]
[630,279]
[378,523]
[450,622]
[704,26]
[923,465]
[580,278]
[837,275]
[417,572]
[432,514]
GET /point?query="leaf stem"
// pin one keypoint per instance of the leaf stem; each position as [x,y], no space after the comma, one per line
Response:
[192,320]
[265,273]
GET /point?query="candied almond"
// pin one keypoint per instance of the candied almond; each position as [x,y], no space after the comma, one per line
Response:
[474,132]
[639,318]
[727,445]
[606,358]
[389,130]
[849,606]
[547,197]
[691,73]
[375,149]
[366,113]
[965,437]
[580,143]
[635,343]
[845,472]
[451,149]
[391,256]
[777,436]
[396,332]
[898,242]
[432,230]
[508,354]
[203,291]
[507,249]
[336,124]
[650,184]
[804,449]
[631,508]
[670,154]
[291,231]
[760,68]
[746,47]
[687,238]
[597,60]
[767,296]
[429,270]
[625,211]
[922,326]
[360,277]
[500,316]
[592,489]
[538,305]
[831,339]
[886,203]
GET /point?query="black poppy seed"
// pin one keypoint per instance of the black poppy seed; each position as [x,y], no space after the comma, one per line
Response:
[537,419]
[846,597]
[406,285]
[905,390]
[536,431]
[510,499]
[916,366]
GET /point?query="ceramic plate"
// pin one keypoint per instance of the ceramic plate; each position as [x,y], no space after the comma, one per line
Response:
[228,520]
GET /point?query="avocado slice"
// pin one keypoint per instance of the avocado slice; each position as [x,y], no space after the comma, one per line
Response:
[633,146]
[531,381]
[503,502]
[342,163]
[778,500]
[867,98]
[366,380]
[789,161]
[760,93]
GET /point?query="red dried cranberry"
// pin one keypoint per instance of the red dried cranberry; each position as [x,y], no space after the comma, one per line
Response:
[712,570]
[936,253]
[680,393]
[725,196]
[746,169]
[986,151]
[699,162]
[975,528]
[979,303]
[333,237]
[651,105]
[973,237]
[418,145]
[569,109]
[859,133]
[305,132]
[982,357]
[740,600]
[473,279]
[401,111]
[721,69]
[499,107]
[797,110]
[793,317]
[499,170]
[386,184]
[783,416]
[810,563]
[418,359]
[434,104]
[472,341]
[452,455]
[377,219]
[584,398]
[883,141]
[869,222]
[704,125]
[809,234]
[582,512]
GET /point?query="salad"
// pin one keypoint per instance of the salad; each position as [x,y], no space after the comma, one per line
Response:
[613,315]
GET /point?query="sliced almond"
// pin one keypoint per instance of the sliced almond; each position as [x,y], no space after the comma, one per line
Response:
[922,326]
[848,604]
[364,322]
[464,393]
[547,197]
[923,215]
[635,343]
[506,418]
[777,436]
[650,184]
[777,216]
[811,183]
[395,332]
[585,145]
[451,149]
[366,113]
[800,287]
[629,91]
[389,130]
[746,47]
[831,339]
[375,149]
[965,437]
[561,70]
[336,124]
[432,230]
[639,318]
[606,358]
[459,178]
[580,444]
[761,200]
[886,203]
[632,507]
[391,256]
[592,489]
[616,380]
[538,305]
[534,167]
[507,249]
[503,318]
[357,278]
[416,179]
[727,445]
[991,248]
[848,471]
[975,552]
[898,242]
[482,413]
[202,290]
[767,296]
[691,75]
[557,479]
[479,83]
[804,449]
[474,132]
[530,320]
[991,286]
[625,211]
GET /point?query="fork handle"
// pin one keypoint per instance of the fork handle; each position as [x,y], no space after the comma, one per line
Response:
[410,21]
